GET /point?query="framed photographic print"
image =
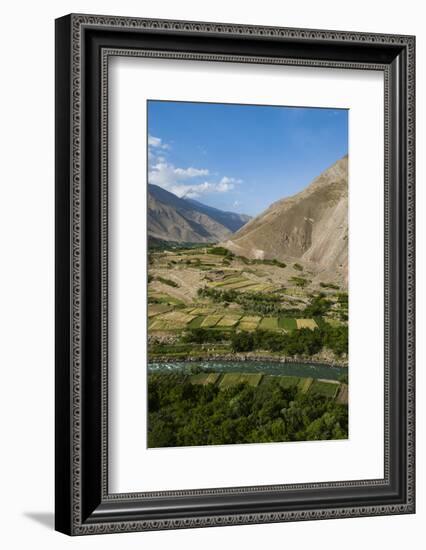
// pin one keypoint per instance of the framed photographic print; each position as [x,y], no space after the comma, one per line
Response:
[234,274]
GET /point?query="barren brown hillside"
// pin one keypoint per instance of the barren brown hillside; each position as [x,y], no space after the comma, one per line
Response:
[310,228]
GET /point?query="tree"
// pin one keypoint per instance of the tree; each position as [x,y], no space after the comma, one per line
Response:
[242,341]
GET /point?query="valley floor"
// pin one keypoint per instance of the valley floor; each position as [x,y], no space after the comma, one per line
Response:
[204,302]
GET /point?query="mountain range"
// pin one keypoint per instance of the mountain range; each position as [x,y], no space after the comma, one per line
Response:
[183,220]
[310,227]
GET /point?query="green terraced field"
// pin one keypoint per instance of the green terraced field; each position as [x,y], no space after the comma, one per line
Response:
[269,323]
[249,323]
[196,322]
[331,390]
[305,384]
[205,378]
[164,298]
[251,379]
[229,321]
[287,323]
[289,381]
[229,380]
[261,287]
[202,311]
[248,285]
[229,280]
[211,321]
[178,317]
[156,309]
[157,324]
[327,389]
[239,378]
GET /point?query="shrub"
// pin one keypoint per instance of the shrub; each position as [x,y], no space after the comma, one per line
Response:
[167,281]
[220,251]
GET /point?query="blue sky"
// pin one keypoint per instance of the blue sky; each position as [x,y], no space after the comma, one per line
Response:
[241,158]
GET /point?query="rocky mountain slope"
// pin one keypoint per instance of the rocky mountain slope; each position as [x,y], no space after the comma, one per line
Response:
[171,218]
[310,228]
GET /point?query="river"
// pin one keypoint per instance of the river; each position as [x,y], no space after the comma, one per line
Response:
[303,370]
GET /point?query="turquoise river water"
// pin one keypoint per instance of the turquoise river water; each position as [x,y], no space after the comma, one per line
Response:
[304,370]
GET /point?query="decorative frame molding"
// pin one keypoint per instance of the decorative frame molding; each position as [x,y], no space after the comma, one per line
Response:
[84,44]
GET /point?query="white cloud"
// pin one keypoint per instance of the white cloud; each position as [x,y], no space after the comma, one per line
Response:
[175,179]
[157,143]
[165,174]
[226,184]
[199,189]
[183,173]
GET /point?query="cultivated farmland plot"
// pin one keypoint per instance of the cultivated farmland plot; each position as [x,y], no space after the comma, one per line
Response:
[249,323]
[287,323]
[205,378]
[306,323]
[155,309]
[227,281]
[305,384]
[321,387]
[202,311]
[196,322]
[330,389]
[178,317]
[269,323]
[229,380]
[164,298]
[211,321]
[228,321]
[242,285]
[260,287]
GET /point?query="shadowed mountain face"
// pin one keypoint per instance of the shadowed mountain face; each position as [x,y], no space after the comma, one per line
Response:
[171,218]
[230,220]
[310,228]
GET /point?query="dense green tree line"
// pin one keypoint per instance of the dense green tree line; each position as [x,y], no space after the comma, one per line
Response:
[298,342]
[254,302]
[205,335]
[268,303]
[183,414]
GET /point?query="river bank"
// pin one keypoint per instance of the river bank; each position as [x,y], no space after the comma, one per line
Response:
[249,365]
[242,357]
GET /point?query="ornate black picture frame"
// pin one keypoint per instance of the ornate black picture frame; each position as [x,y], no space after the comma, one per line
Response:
[83,45]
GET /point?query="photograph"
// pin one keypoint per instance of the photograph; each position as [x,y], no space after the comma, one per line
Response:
[247,273]
[234,274]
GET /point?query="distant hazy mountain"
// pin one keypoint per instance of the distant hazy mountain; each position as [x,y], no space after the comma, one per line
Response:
[310,227]
[171,218]
[230,220]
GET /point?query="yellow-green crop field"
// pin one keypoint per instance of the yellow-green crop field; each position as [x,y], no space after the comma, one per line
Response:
[163,298]
[229,321]
[305,384]
[269,323]
[211,321]
[203,379]
[231,379]
[178,317]
[326,388]
[261,287]
[156,309]
[306,323]
[162,317]
[249,323]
